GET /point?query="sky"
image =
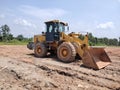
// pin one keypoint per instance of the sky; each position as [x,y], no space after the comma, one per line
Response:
[27,17]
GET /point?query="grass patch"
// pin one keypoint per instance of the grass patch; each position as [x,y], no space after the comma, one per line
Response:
[100,44]
[14,42]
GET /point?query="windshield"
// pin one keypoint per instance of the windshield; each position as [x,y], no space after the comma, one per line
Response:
[61,28]
[55,27]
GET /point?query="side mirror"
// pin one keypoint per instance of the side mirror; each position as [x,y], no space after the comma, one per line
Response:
[43,33]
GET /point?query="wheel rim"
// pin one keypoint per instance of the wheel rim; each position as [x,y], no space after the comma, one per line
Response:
[39,50]
[64,52]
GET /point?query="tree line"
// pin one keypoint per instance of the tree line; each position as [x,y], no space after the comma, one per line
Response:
[103,41]
[95,41]
[6,36]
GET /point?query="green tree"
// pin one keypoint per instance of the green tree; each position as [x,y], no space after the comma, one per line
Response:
[113,42]
[10,37]
[0,34]
[5,32]
[106,41]
[101,40]
[20,37]
[119,41]
[92,40]
[81,37]
[96,40]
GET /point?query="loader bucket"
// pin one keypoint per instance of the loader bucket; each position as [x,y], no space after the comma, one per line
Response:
[96,58]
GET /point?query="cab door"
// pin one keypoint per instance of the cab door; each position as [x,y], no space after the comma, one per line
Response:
[50,33]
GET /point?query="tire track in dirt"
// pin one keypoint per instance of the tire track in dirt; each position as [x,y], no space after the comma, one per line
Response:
[32,77]
[91,80]
[107,78]
[95,79]
[84,70]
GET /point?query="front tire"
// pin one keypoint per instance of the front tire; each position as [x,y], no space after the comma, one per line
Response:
[66,52]
[40,50]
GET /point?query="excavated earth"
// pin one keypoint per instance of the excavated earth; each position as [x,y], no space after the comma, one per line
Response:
[20,70]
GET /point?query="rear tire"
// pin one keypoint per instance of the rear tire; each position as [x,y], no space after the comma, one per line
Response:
[30,45]
[66,52]
[40,50]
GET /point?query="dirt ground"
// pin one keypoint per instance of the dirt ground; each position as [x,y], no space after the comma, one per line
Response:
[20,70]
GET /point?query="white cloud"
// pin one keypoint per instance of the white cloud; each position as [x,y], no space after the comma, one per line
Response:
[2,16]
[105,25]
[24,22]
[42,13]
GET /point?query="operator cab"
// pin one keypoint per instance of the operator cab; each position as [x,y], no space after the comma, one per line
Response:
[53,29]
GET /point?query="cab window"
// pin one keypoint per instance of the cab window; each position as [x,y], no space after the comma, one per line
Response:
[61,28]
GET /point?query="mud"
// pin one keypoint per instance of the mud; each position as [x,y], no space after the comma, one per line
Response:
[20,70]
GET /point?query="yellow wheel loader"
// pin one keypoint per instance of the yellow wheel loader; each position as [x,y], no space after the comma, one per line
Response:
[68,46]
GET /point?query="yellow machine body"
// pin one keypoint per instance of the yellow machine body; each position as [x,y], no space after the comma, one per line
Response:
[93,57]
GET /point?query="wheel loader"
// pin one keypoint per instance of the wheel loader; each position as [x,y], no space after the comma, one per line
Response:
[67,46]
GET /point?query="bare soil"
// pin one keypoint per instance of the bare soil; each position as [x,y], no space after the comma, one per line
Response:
[20,70]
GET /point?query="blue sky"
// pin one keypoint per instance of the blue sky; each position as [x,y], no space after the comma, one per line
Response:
[27,17]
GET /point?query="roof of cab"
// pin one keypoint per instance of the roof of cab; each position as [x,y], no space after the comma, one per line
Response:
[57,21]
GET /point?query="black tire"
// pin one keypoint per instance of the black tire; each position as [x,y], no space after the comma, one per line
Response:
[66,52]
[30,45]
[76,47]
[40,50]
